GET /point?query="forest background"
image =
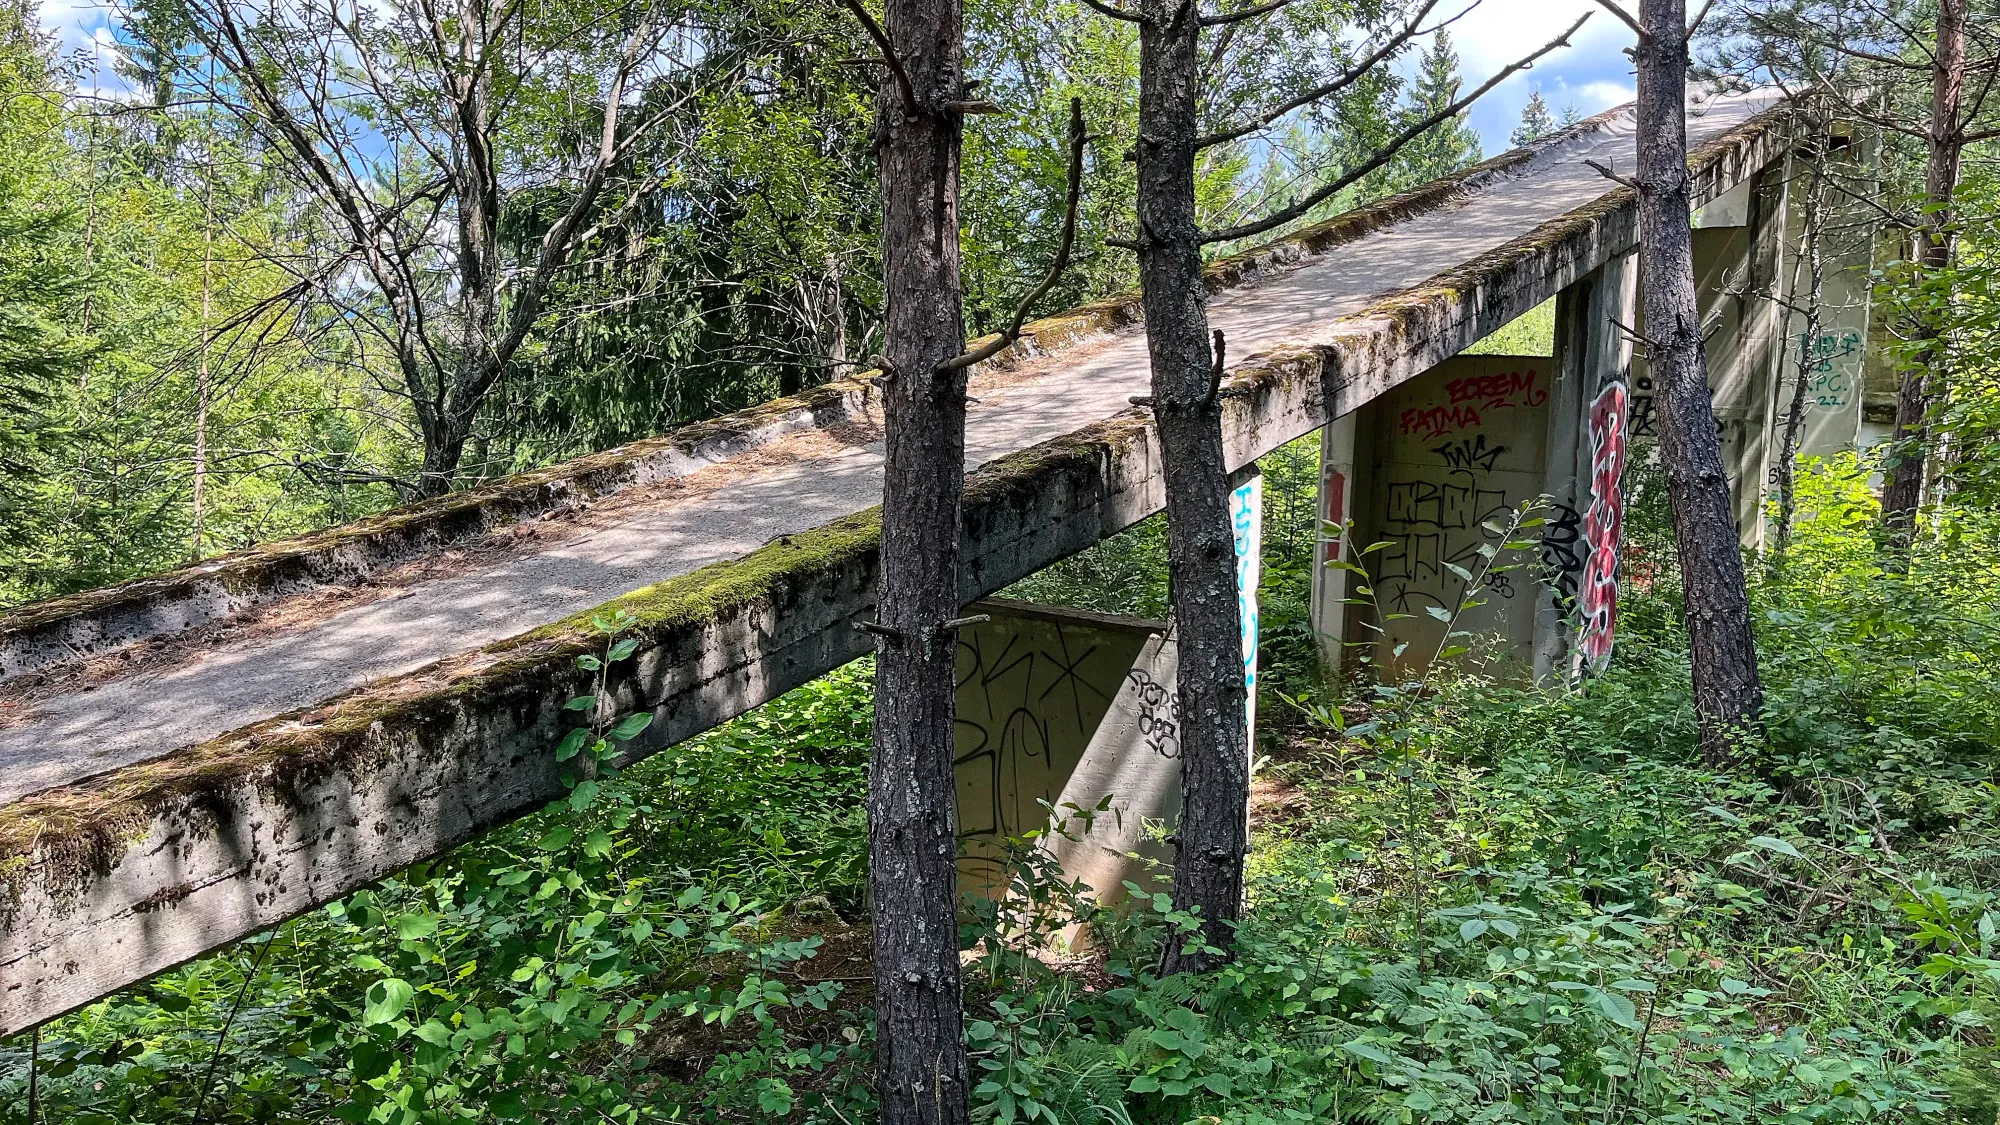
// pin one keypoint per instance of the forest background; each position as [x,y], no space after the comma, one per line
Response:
[194,354]
[1468,902]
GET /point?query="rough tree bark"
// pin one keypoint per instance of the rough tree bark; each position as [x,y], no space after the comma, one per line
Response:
[1728,695]
[1201,547]
[912,836]
[1945,142]
[1186,375]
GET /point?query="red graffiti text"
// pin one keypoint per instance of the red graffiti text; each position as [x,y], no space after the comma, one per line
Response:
[1437,421]
[1498,392]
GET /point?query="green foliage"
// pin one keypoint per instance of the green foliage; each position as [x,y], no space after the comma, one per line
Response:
[1491,903]
[1536,122]
[39,263]
[1531,333]
[1452,144]
[533,974]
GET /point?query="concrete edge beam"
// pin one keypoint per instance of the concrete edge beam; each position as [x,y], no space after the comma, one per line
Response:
[99,621]
[129,874]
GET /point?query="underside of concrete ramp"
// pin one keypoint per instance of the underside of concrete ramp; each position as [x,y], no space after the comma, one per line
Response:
[191,758]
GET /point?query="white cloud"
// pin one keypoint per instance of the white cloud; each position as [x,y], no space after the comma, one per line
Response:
[1590,74]
[1499,32]
[1592,97]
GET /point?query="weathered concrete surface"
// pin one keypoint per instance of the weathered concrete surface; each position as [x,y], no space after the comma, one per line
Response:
[153,818]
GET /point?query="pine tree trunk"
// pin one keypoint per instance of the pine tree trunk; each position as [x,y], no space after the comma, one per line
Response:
[1201,547]
[1728,696]
[1904,489]
[912,838]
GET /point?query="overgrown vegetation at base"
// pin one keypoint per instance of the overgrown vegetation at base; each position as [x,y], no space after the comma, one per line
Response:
[1472,902]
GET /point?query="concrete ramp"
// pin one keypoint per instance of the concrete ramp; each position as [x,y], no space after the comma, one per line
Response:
[191,758]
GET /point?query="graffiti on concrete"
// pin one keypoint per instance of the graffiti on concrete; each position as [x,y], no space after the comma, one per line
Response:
[1434,528]
[1032,689]
[1561,538]
[1470,400]
[1332,512]
[1603,530]
[1645,422]
[1246,519]
[1454,450]
[1829,381]
[1157,708]
[1470,453]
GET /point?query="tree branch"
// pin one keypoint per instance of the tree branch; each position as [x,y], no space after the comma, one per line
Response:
[1222,18]
[1078,139]
[1326,89]
[561,238]
[1694,24]
[1116,13]
[1637,28]
[1388,152]
[1608,174]
[889,58]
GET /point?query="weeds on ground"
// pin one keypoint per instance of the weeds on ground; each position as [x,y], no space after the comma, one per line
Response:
[1473,902]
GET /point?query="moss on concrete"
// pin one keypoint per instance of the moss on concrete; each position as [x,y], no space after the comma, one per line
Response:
[77,830]
[74,833]
[317,558]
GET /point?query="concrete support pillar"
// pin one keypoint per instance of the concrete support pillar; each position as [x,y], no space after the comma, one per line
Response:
[1332,586]
[1740,263]
[1593,367]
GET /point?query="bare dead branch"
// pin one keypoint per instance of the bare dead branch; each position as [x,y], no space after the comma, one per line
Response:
[1852,51]
[1694,24]
[1387,152]
[1637,28]
[1078,140]
[1324,90]
[1608,174]
[1223,18]
[889,58]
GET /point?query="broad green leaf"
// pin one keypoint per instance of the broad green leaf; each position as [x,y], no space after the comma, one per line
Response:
[386,1000]
[1773,844]
[1365,1050]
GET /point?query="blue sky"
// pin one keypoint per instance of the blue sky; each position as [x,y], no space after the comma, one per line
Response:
[1592,75]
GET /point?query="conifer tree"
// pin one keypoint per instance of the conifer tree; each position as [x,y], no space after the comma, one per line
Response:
[1452,144]
[1536,122]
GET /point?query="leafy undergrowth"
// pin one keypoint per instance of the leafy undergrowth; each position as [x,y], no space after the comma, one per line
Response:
[1474,902]
[1470,902]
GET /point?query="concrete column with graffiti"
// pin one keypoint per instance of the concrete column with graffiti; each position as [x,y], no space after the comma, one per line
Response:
[1068,725]
[1590,423]
[1246,518]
